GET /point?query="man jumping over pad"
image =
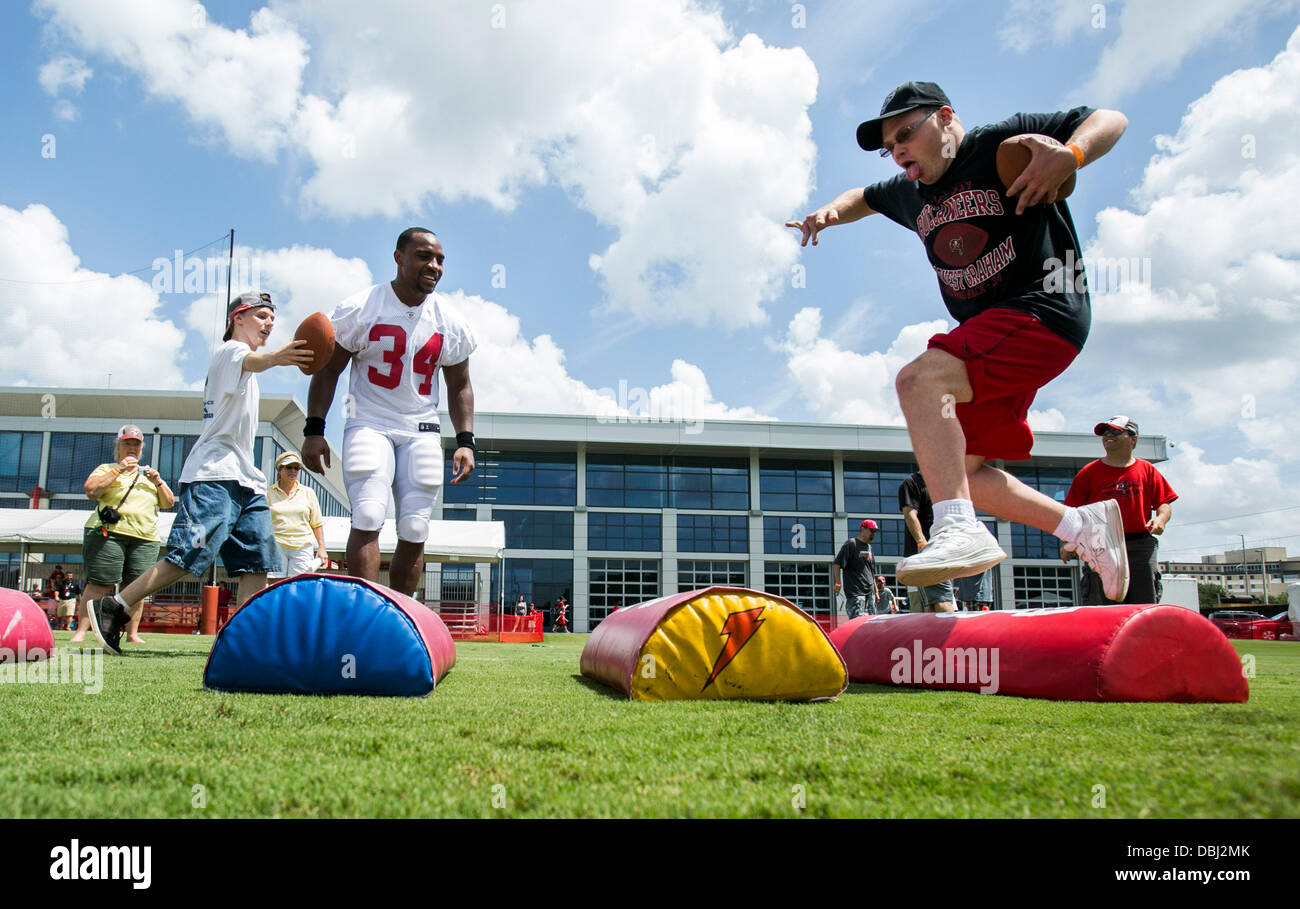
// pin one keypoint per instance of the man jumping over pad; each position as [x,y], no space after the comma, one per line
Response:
[1022,316]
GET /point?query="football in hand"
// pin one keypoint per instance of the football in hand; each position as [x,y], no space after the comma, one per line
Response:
[1013,158]
[317,331]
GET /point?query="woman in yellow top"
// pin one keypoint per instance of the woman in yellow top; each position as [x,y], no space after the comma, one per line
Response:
[295,519]
[116,552]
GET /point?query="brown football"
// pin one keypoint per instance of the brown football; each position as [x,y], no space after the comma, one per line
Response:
[1014,158]
[317,331]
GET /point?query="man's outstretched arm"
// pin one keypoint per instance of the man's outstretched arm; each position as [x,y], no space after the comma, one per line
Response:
[848,206]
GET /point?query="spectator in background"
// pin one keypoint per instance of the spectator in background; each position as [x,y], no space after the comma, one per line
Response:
[976,593]
[120,540]
[561,620]
[1140,490]
[854,572]
[57,580]
[295,519]
[67,605]
[918,516]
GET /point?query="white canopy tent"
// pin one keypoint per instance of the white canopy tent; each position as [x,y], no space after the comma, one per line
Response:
[42,530]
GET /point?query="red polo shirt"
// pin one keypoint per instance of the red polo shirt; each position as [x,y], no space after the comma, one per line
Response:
[1139,489]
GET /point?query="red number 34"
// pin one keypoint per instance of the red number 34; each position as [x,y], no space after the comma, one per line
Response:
[424,364]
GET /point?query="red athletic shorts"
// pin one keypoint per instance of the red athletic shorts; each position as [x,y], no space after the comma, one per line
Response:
[1009,355]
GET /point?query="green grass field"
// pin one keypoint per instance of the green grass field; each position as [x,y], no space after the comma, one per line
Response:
[515,731]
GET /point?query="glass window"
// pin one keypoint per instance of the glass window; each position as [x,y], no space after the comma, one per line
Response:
[1043,586]
[459,514]
[621,481]
[872,488]
[516,478]
[20,461]
[536,529]
[692,575]
[541,581]
[712,533]
[73,455]
[624,532]
[795,485]
[797,536]
[172,452]
[806,584]
[617,583]
[1032,543]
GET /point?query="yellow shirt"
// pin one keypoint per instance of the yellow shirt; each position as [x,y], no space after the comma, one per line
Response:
[139,511]
[294,516]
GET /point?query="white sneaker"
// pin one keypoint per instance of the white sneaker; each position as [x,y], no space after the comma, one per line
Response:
[957,550]
[1101,546]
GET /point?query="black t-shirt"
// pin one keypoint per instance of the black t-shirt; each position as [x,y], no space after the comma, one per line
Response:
[982,253]
[912,493]
[858,567]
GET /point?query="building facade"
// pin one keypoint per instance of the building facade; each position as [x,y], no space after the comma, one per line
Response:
[1243,573]
[52,438]
[607,513]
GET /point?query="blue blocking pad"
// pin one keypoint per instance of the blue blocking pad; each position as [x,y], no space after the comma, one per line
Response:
[325,634]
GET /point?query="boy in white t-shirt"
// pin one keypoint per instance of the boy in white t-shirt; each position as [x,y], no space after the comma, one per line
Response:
[222,502]
[397,336]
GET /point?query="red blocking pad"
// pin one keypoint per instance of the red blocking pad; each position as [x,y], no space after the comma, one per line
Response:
[331,634]
[25,633]
[1095,653]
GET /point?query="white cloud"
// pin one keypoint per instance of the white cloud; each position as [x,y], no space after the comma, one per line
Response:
[1212,335]
[1148,39]
[691,145]
[1050,420]
[71,326]
[64,73]
[243,83]
[844,386]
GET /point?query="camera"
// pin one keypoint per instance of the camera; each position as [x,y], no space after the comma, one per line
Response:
[109,515]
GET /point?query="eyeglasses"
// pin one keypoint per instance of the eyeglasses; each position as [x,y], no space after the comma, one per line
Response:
[1116,432]
[294,469]
[905,134]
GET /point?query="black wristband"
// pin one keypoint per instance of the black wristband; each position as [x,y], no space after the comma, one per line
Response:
[465,440]
[315,427]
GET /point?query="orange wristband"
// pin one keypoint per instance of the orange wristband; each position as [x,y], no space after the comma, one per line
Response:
[1078,154]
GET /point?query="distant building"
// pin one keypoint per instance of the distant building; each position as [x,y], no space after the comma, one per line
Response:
[1242,577]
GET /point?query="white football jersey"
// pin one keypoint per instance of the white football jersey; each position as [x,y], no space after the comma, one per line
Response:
[224,450]
[397,350]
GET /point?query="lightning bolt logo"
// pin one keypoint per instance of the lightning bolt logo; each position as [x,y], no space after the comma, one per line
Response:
[738,629]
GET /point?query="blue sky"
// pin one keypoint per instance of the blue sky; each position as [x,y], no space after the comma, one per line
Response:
[625,168]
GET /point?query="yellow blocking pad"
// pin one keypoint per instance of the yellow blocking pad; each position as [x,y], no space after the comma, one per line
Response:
[728,645]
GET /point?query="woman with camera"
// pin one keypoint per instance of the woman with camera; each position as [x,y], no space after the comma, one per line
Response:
[121,537]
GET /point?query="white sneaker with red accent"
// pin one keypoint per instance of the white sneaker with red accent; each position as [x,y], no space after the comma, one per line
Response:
[956,550]
[1101,546]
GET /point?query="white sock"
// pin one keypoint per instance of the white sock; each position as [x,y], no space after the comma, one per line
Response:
[953,511]
[116,599]
[1070,527]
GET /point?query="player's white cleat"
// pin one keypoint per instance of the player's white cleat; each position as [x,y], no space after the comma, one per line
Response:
[1101,546]
[956,550]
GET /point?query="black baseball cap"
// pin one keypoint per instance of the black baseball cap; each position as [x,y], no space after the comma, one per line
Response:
[252,299]
[908,96]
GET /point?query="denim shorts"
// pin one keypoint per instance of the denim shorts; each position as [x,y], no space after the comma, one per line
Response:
[221,516]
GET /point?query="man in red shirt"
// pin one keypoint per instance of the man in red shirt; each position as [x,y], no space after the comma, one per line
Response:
[1139,489]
